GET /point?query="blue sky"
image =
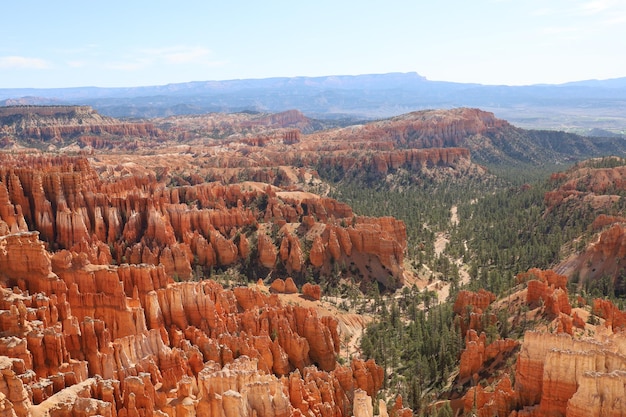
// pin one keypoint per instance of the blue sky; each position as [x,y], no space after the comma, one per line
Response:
[131,43]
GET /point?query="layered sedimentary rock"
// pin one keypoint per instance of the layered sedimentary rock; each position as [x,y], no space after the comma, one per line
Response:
[496,401]
[547,288]
[127,340]
[604,258]
[584,186]
[613,317]
[287,149]
[553,369]
[470,307]
[191,229]
[561,371]
[311,291]
[60,123]
[478,352]
[431,129]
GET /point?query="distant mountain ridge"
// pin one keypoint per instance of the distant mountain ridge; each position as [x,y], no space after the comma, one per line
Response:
[578,106]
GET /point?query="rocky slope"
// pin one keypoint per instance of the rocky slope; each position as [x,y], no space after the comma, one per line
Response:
[127,340]
[594,190]
[193,229]
[490,140]
[107,302]
[252,146]
[93,320]
[567,368]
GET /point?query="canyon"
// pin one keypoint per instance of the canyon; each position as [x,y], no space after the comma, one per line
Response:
[183,266]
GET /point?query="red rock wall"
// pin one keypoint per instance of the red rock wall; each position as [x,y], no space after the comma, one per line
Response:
[552,368]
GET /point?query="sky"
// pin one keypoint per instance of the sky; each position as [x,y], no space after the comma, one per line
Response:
[69,43]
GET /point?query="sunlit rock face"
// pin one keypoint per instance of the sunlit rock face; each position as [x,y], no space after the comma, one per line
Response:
[132,340]
[136,219]
[93,321]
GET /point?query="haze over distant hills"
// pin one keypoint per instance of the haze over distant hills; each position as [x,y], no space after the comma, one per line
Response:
[578,106]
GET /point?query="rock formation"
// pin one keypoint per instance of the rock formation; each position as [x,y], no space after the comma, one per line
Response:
[191,229]
[478,352]
[59,124]
[470,309]
[569,369]
[105,306]
[127,340]
[547,288]
[613,317]
[559,375]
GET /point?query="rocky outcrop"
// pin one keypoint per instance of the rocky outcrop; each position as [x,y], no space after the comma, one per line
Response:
[559,372]
[498,400]
[267,148]
[604,258]
[478,352]
[192,229]
[14,396]
[61,123]
[267,251]
[127,340]
[548,289]
[599,395]
[311,291]
[430,129]
[470,309]
[552,369]
[613,317]
[576,190]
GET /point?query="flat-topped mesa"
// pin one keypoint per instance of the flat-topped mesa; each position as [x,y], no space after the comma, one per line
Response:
[7,111]
[429,128]
[65,122]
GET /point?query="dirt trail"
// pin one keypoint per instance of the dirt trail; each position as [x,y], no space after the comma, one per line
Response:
[454,217]
[441,241]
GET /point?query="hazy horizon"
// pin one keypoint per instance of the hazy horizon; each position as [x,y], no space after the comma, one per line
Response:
[293,77]
[489,42]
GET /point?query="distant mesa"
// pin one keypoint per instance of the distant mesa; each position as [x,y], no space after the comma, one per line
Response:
[61,125]
[357,97]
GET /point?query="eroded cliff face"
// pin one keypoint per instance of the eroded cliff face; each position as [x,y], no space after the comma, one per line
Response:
[591,186]
[59,125]
[126,340]
[192,229]
[93,320]
[431,128]
[470,309]
[280,149]
[568,368]
[551,364]
[561,375]
[602,261]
